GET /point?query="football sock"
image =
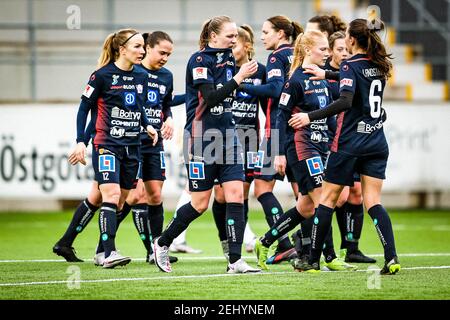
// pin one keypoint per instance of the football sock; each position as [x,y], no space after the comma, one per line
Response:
[328,247]
[320,229]
[219,211]
[383,226]
[156,218]
[356,214]
[235,227]
[287,221]
[142,224]
[108,226]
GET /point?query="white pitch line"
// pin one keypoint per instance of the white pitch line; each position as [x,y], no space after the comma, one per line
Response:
[205,276]
[182,257]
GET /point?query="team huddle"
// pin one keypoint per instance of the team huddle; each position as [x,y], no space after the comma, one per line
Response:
[321,93]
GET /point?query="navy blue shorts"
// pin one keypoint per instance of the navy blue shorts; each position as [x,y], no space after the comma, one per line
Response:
[356,175]
[116,164]
[341,167]
[308,173]
[153,166]
[201,176]
[264,167]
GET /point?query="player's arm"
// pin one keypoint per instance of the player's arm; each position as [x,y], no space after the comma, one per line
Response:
[167,126]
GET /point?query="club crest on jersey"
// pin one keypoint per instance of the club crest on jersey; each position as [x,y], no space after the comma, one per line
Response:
[200,73]
[152,95]
[229,74]
[115,77]
[196,170]
[322,101]
[129,98]
[315,166]
[162,89]
[162,160]
[106,163]
[139,88]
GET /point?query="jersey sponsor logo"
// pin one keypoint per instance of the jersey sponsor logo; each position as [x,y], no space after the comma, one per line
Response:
[229,74]
[115,77]
[88,91]
[307,84]
[368,128]
[196,170]
[152,96]
[316,137]
[252,159]
[106,163]
[126,78]
[257,82]
[274,73]
[217,110]
[116,132]
[162,89]
[118,113]
[200,73]
[260,160]
[284,99]
[162,160]
[219,57]
[139,88]
[315,166]
[346,82]
[322,101]
[242,94]
[129,98]
[290,59]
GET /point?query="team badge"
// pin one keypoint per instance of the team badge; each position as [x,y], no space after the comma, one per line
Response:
[140,88]
[322,101]
[152,95]
[129,98]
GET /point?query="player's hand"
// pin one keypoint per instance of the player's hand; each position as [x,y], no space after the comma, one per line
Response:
[153,134]
[319,73]
[299,120]
[280,164]
[78,154]
[246,70]
[167,129]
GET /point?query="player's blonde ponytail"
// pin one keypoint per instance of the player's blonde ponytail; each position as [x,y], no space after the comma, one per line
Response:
[113,41]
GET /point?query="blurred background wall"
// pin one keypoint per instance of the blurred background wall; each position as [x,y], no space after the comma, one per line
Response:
[48,48]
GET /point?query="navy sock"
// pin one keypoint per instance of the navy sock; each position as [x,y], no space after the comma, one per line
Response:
[235,229]
[156,218]
[82,216]
[383,226]
[320,229]
[272,210]
[142,224]
[328,247]
[245,211]
[122,214]
[288,221]
[181,220]
[219,211]
[108,226]
[305,236]
[341,218]
[356,216]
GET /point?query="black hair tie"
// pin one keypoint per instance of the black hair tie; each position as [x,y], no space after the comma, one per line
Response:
[129,38]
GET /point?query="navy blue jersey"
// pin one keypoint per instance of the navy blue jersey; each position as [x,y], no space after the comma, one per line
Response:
[300,94]
[360,129]
[277,73]
[116,98]
[334,89]
[208,66]
[157,105]
[245,105]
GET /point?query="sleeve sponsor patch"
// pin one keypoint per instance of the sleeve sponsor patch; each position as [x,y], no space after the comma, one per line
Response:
[274,73]
[88,91]
[200,73]
[284,99]
[346,82]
